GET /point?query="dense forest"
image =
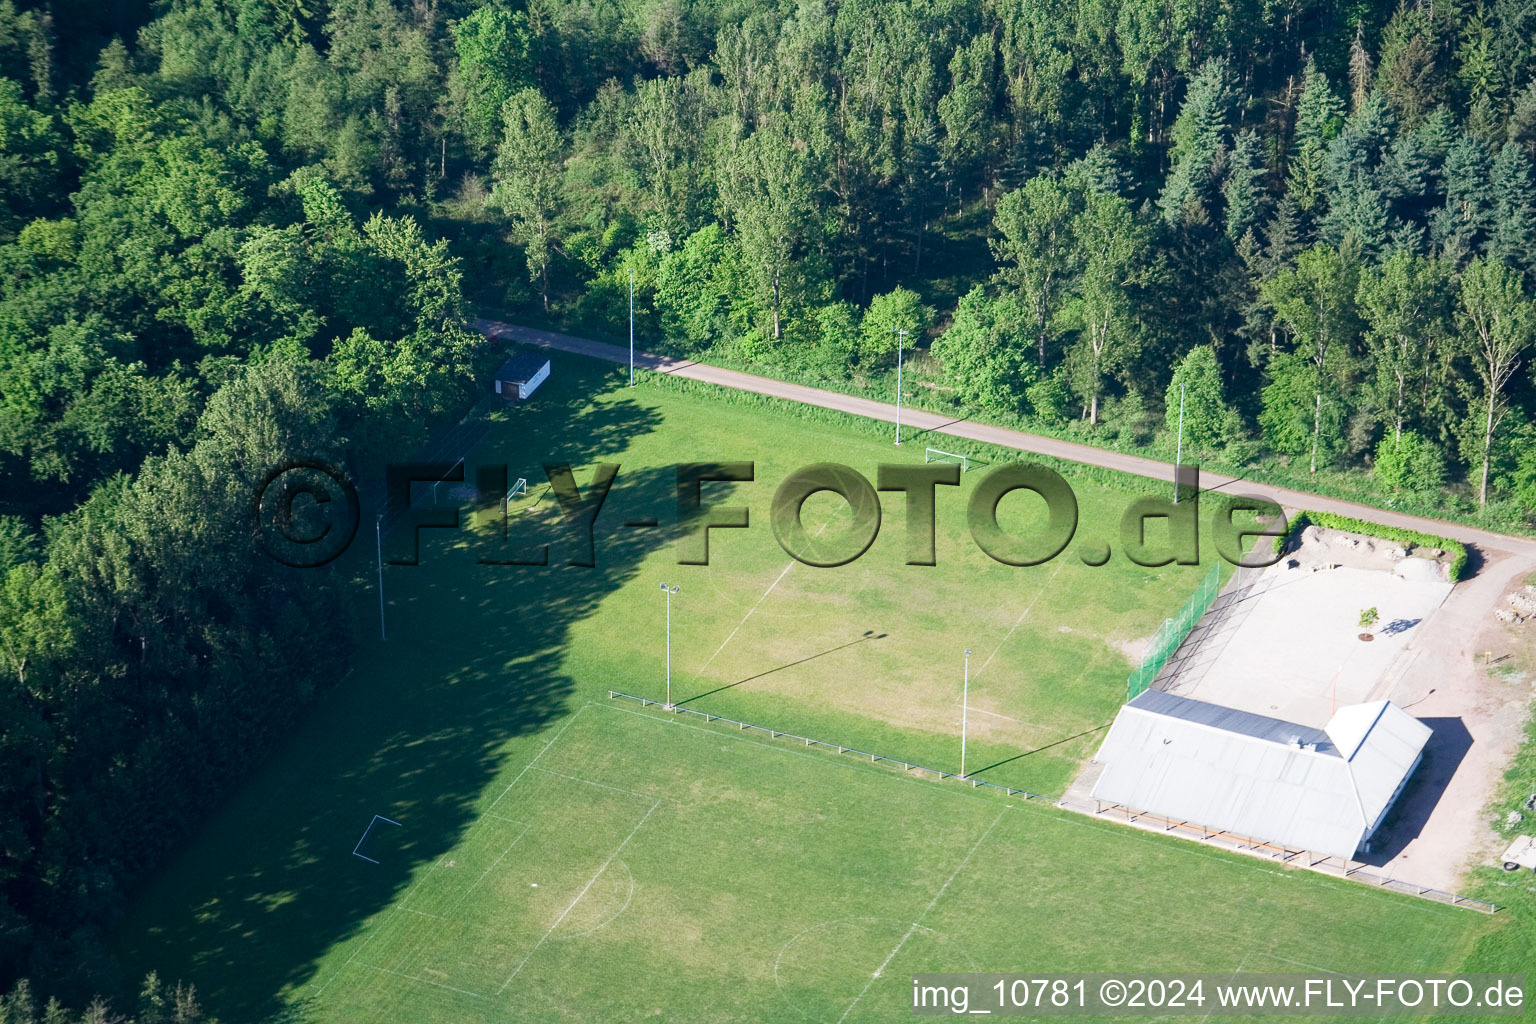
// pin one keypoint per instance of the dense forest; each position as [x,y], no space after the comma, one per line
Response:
[237,232]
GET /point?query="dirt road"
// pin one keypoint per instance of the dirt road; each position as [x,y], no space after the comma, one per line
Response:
[1439,830]
[918,421]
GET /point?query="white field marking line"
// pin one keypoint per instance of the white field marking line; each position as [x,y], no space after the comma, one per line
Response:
[400,903]
[1231,977]
[424,981]
[710,660]
[919,922]
[599,785]
[1298,963]
[420,913]
[965,794]
[499,857]
[779,960]
[611,917]
[619,849]
[1061,564]
[1036,725]
[995,714]
[374,932]
[1067,816]
[542,751]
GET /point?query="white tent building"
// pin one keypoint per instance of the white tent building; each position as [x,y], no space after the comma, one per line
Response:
[1323,790]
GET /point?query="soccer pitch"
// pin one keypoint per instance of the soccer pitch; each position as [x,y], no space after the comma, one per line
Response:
[868,654]
[639,865]
[562,856]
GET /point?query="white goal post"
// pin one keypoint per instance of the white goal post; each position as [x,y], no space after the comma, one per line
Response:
[935,455]
[517,490]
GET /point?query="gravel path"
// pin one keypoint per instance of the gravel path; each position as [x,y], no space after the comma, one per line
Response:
[918,421]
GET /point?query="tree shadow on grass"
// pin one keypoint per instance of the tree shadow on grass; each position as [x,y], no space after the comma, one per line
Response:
[416,732]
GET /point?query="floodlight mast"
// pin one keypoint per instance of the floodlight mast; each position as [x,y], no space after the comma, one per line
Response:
[965,699]
[631,326]
[901,343]
[669,591]
[378,535]
[1178,456]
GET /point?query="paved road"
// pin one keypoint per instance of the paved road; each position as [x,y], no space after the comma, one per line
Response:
[919,422]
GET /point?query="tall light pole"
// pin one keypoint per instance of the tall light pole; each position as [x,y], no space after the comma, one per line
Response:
[965,701]
[901,343]
[378,536]
[669,591]
[1178,455]
[631,326]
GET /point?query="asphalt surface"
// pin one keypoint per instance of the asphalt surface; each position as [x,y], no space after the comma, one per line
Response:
[917,425]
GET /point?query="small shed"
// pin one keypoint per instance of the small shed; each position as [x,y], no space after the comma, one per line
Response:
[520,376]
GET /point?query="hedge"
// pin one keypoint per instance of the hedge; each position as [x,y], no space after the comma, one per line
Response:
[1407,538]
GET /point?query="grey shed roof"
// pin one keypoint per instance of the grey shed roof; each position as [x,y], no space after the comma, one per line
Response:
[1324,790]
[1259,727]
[521,367]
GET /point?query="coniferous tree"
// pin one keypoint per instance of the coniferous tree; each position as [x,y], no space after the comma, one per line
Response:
[1319,116]
[1513,238]
[1410,70]
[1459,228]
[1244,191]
[1199,143]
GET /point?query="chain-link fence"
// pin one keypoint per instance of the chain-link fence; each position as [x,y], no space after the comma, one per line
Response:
[1172,633]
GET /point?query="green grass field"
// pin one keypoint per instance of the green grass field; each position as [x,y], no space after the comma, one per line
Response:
[561,856]
[638,866]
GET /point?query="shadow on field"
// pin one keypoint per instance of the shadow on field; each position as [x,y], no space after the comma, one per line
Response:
[1448,743]
[1047,746]
[416,732]
[869,634]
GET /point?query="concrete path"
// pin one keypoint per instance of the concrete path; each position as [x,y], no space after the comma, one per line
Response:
[919,422]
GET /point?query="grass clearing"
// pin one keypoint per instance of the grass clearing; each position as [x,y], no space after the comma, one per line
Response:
[559,859]
[692,871]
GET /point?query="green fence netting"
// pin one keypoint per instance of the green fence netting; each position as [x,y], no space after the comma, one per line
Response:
[1172,633]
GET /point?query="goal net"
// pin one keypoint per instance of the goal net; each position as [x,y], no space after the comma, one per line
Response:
[935,455]
[518,489]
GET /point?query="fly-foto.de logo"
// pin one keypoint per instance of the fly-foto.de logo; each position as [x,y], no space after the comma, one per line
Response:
[1152,531]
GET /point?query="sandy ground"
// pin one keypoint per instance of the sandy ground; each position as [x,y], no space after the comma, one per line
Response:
[1454,785]
[1286,644]
[1440,826]
[1273,642]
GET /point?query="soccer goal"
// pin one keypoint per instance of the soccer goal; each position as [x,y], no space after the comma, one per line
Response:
[935,455]
[517,490]
[431,492]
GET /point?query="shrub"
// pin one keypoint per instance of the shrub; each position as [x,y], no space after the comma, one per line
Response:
[1408,538]
[1409,462]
